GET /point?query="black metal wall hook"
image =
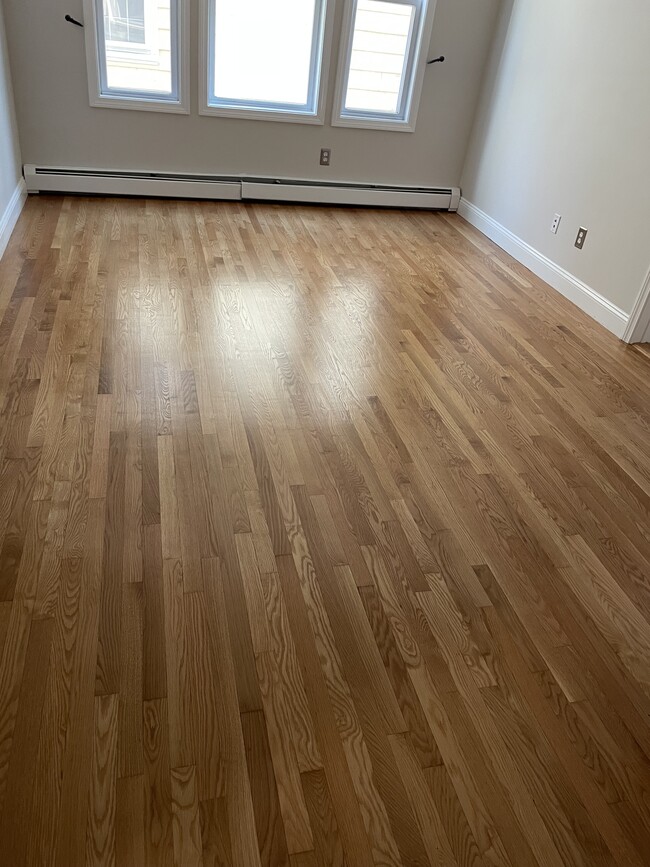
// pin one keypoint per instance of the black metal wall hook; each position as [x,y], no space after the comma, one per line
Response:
[440,59]
[72,20]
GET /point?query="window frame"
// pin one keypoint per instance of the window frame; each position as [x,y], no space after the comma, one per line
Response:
[252,110]
[413,79]
[102,97]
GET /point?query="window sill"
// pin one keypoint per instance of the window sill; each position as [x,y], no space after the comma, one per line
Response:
[371,123]
[261,114]
[171,106]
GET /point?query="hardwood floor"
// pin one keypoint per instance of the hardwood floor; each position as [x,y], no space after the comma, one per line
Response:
[324,540]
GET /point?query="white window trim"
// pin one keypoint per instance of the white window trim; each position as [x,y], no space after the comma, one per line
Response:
[140,101]
[269,114]
[418,65]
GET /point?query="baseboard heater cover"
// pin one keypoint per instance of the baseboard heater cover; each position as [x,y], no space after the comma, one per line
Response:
[44,179]
[116,183]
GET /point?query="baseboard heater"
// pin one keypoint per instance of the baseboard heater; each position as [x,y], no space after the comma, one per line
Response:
[44,179]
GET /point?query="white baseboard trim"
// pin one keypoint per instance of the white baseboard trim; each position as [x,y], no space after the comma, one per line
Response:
[11,213]
[639,325]
[583,296]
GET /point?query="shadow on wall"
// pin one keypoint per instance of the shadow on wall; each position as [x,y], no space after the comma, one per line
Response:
[487,100]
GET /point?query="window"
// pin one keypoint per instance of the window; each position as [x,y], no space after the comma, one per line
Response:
[263,58]
[136,54]
[382,64]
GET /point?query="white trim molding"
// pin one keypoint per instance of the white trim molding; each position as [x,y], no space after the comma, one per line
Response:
[582,295]
[11,213]
[639,323]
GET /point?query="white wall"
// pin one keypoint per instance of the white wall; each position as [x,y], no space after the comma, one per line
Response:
[564,126]
[58,127]
[10,165]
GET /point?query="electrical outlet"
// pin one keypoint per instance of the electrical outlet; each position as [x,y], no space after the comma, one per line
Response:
[555,225]
[581,238]
[326,156]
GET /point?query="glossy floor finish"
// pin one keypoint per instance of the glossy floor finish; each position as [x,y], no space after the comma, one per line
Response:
[324,540]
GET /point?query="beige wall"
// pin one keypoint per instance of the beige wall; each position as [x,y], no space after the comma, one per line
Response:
[10,166]
[564,126]
[58,127]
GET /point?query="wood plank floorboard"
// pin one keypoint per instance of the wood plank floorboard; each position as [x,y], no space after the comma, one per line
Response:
[324,542]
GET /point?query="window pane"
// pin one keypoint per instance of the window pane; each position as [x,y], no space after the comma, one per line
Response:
[379,51]
[263,50]
[138,46]
[124,20]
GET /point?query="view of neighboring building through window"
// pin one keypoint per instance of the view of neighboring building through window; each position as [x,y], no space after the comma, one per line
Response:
[381,69]
[379,52]
[136,55]
[124,21]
